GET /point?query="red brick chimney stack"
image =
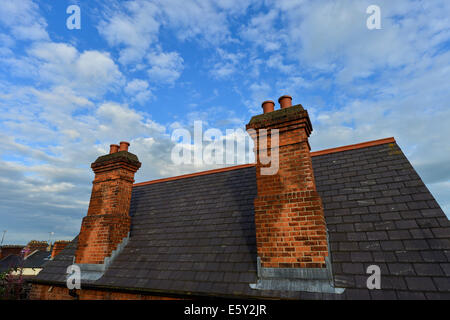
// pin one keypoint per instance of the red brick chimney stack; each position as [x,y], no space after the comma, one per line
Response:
[108,222]
[34,245]
[289,217]
[59,246]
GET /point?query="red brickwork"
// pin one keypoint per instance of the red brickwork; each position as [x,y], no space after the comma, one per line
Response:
[7,250]
[289,218]
[47,292]
[34,245]
[107,221]
[59,246]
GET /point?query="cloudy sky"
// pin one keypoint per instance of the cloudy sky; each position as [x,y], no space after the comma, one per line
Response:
[137,70]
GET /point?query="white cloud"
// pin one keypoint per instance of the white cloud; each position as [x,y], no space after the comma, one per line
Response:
[120,122]
[276,61]
[227,64]
[293,84]
[138,90]
[196,19]
[332,35]
[23,19]
[262,32]
[165,67]
[259,92]
[91,73]
[50,168]
[235,7]
[134,28]
[62,97]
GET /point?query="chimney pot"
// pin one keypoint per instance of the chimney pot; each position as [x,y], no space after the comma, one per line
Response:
[285,101]
[113,148]
[124,146]
[268,106]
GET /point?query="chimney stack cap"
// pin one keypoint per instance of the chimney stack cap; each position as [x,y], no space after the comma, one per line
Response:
[124,146]
[285,101]
[268,106]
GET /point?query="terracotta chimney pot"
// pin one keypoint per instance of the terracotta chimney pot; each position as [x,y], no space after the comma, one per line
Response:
[113,148]
[285,101]
[268,106]
[124,146]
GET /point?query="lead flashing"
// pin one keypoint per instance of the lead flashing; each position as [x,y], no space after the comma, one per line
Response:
[93,272]
[317,280]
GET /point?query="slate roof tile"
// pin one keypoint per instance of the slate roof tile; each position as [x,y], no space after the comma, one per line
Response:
[420,284]
[439,243]
[434,256]
[357,294]
[438,295]
[428,269]
[421,233]
[443,284]
[408,256]
[416,244]
[410,295]
[401,269]
[383,294]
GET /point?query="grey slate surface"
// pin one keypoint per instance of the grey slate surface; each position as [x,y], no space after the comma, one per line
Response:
[35,260]
[196,235]
[8,262]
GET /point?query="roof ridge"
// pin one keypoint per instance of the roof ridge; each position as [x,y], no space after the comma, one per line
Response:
[248,165]
[195,174]
[354,146]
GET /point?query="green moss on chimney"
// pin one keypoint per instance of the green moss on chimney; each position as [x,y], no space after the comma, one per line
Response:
[281,114]
[121,155]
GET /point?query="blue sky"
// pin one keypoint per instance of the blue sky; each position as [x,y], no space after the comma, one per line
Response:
[137,70]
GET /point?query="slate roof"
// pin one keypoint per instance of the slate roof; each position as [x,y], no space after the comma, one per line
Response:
[36,260]
[9,262]
[196,235]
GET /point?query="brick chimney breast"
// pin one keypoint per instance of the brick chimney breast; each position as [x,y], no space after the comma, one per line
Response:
[58,246]
[107,222]
[34,245]
[289,218]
